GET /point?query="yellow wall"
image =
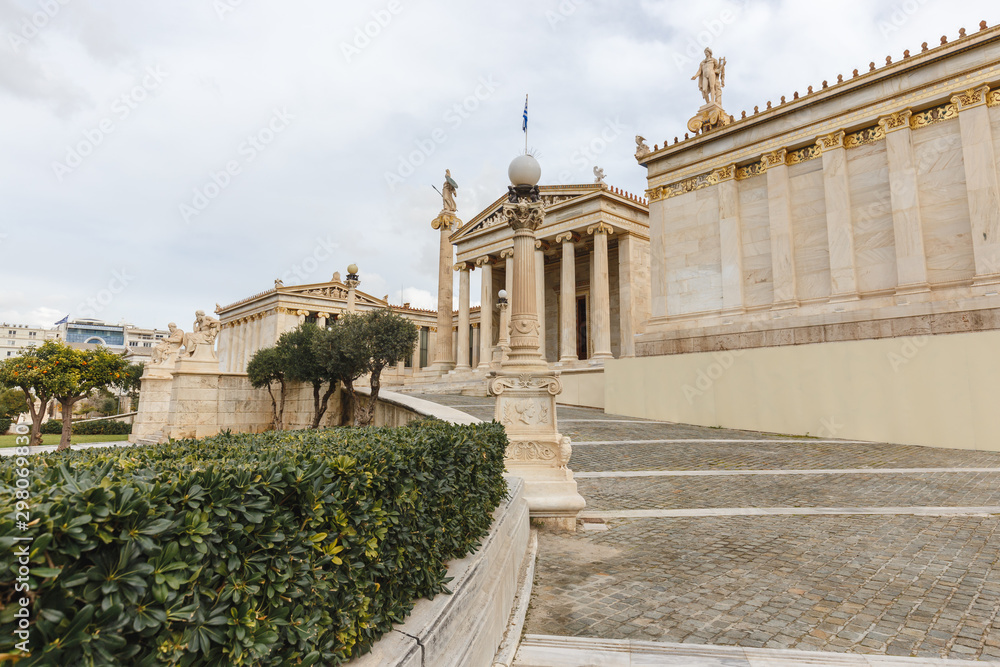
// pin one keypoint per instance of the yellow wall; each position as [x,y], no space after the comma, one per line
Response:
[941,391]
[582,387]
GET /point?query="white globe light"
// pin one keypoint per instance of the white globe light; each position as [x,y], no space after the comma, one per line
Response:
[353,268]
[502,294]
[524,170]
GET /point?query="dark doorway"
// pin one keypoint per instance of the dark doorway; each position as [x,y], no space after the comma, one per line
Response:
[581,327]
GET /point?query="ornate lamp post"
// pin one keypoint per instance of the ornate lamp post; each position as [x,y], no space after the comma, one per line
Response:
[352,283]
[524,386]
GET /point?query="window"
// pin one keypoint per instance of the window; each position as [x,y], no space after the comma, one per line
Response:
[11,332]
[31,334]
[424,335]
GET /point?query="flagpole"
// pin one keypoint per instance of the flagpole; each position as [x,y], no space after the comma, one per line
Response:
[525,126]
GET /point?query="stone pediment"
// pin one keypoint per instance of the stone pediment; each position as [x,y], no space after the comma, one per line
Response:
[492,216]
[332,290]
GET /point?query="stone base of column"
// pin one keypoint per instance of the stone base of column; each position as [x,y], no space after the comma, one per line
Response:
[990,279]
[537,452]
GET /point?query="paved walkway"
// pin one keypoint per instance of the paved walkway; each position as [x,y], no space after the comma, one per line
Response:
[718,538]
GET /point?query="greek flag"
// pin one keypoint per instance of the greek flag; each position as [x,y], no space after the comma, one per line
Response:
[524,123]
[63,320]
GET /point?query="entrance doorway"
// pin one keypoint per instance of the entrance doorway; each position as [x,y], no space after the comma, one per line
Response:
[581,327]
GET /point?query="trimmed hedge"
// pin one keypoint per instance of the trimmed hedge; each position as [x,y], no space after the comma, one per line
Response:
[102,427]
[281,548]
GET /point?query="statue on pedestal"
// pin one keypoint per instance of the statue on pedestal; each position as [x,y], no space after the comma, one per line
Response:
[598,175]
[450,188]
[206,328]
[711,78]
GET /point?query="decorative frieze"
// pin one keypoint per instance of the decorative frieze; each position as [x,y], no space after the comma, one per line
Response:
[803,154]
[934,115]
[714,177]
[830,141]
[869,135]
[895,121]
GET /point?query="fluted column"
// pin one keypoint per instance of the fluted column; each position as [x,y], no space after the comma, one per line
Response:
[839,228]
[981,181]
[486,312]
[443,345]
[463,316]
[508,256]
[911,257]
[600,291]
[567,298]
[352,294]
[540,248]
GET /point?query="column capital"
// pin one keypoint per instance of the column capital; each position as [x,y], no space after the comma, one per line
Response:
[507,252]
[484,260]
[302,312]
[727,173]
[325,316]
[446,221]
[465,266]
[973,97]
[899,120]
[541,245]
[567,237]
[600,228]
[831,141]
[774,158]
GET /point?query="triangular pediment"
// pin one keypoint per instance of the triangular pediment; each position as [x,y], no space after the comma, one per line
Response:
[492,215]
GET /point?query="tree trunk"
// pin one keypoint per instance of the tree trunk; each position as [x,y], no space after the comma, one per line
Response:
[37,412]
[351,404]
[326,400]
[274,407]
[316,414]
[376,384]
[67,421]
[281,406]
[320,404]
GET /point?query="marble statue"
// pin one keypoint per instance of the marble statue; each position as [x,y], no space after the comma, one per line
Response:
[278,282]
[641,148]
[711,77]
[206,328]
[166,350]
[598,175]
[450,188]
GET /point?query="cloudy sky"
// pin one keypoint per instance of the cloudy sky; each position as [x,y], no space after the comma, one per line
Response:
[161,156]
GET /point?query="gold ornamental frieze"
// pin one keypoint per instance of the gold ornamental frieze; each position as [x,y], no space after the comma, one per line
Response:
[865,137]
[973,97]
[698,182]
[933,116]
[803,154]
[993,99]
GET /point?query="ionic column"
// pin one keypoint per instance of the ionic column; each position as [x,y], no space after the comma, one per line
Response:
[601,292]
[730,241]
[839,228]
[981,181]
[463,316]
[476,344]
[780,216]
[567,298]
[443,359]
[303,314]
[508,257]
[415,359]
[911,258]
[486,312]
[540,248]
[321,319]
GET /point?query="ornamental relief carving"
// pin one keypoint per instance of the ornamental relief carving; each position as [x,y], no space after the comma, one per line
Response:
[525,411]
[895,121]
[550,383]
[803,154]
[523,215]
[932,116]
[334,292]
[993,99]
[869,135]
[531,451]
[971,98]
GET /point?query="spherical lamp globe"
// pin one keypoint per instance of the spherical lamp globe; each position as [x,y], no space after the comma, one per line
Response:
[524,170]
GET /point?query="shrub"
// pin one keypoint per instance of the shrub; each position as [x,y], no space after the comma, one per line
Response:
[52,426]
[5,423]
[103,427]
[281,548]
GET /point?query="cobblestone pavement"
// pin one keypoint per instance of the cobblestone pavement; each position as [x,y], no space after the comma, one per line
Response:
[871,584]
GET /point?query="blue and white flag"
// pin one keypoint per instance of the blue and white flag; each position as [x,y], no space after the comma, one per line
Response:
[63,321]
[524,124]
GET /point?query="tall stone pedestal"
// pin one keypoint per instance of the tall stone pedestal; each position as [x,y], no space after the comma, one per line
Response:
[154,404]
[444,359]
[709,117]
[538,453]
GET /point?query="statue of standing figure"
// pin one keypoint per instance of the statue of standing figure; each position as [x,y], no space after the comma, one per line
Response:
[450,188]
[206,328]
[711,77]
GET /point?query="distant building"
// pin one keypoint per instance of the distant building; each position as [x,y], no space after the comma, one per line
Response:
[16,337]
[135,342]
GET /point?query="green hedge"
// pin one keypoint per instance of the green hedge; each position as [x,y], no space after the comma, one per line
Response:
[102,427]
[5,423]
[283,548]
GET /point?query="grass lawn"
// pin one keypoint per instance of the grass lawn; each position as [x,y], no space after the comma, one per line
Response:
[8,440]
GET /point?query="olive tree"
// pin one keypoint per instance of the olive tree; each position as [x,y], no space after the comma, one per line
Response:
[268,367]
[302,364]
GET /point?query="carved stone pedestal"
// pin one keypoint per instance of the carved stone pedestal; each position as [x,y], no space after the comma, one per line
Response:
[709,117]
[538,453]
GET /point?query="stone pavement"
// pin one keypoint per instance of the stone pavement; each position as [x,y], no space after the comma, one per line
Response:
[877,584]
